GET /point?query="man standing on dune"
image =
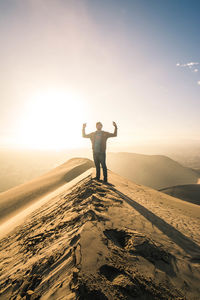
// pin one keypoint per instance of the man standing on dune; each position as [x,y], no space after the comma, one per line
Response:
[98,139]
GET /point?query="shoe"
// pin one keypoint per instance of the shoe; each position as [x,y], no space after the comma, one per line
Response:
[108,183]
[96,178]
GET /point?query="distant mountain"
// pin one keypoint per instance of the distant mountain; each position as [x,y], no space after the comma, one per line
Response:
[156,171]
[188,192]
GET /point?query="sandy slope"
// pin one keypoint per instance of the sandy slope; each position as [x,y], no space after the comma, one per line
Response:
[187,192]
[96,241]
[17,198]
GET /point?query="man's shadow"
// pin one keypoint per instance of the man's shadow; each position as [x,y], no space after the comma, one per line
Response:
[189,246]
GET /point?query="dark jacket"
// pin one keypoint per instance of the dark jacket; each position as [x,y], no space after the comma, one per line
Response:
[105,136]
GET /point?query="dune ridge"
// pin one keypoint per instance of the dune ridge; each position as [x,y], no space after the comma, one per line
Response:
[97,241]
[20,197]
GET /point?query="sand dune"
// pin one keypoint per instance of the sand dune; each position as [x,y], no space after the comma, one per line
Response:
[188,192]
[19,166]
[97,241]
[17,198]
[156,171]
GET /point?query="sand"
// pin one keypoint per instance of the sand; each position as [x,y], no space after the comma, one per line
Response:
[20,197]
[98,241]
[188,192]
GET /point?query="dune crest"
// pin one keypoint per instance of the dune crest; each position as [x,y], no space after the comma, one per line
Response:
[20,197]
[98,241]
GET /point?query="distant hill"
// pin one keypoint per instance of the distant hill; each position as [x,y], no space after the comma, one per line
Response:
[188,192]
[156,171]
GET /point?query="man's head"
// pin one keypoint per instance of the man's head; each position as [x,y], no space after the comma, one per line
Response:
[99,126]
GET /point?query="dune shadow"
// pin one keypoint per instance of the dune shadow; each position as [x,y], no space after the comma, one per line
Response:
[76,171]
[187,192]
[176,236]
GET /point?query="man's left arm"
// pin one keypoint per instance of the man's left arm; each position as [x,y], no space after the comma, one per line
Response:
[109,134]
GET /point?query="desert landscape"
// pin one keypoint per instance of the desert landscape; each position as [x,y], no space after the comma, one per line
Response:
[156,171]
[92,240]
[23,195]
[99,150]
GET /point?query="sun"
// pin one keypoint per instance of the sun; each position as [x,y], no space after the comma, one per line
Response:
[52,119]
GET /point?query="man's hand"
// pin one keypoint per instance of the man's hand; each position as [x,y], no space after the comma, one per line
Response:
[114,124]
[84,125]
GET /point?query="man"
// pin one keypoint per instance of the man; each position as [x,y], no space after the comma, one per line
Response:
[98,139]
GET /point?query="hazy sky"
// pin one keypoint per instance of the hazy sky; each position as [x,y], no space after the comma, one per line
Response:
[66,62]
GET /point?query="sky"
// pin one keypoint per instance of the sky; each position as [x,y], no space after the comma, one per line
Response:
[69,62]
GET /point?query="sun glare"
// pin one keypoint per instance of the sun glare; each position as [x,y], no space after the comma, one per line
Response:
[52,119]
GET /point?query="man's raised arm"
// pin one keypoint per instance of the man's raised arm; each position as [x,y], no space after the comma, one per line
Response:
[83,132]
[115,131]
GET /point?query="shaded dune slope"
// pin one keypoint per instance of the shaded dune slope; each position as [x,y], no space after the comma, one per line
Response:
[188,192]
[17,198]
[96,241]
[156,171]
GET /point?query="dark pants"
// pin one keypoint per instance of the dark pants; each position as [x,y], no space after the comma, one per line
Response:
[100,158]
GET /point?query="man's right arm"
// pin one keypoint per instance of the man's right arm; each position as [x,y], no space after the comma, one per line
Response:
[83,132]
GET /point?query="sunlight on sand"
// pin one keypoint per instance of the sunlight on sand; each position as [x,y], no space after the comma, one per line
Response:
[98,241]
[9,225]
